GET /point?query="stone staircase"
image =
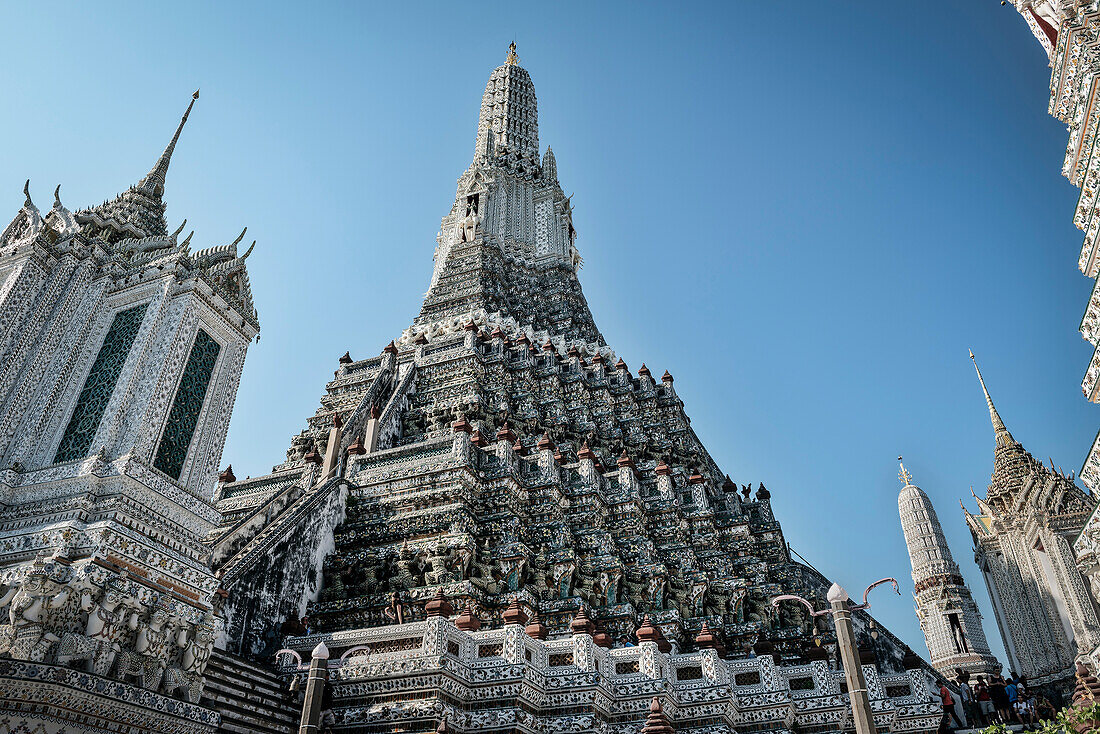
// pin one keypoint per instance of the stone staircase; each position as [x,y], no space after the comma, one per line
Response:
[250,699]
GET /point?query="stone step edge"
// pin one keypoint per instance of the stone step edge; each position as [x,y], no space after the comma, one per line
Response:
[244,688]
[251,718]
[279,710]
[225,661]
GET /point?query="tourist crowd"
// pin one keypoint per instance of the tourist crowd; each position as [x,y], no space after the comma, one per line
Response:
[993,699]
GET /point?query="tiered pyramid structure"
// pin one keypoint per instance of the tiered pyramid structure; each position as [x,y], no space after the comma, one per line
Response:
[495,525]
[499,448]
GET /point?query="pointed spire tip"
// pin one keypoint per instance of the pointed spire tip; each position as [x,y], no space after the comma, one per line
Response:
[998,425]
[153,183]
[904,475]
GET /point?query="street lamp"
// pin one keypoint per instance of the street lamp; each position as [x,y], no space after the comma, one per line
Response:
[315,685]
[841,608]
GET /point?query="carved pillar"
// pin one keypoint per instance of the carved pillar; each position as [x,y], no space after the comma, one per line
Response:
[435,635]
[649,661]
[372,429]
[505,454]
[514,644]
[628,480]
[853,671]
[460,446]
[315,691]
[1054,653]
[1034,644]
[699,492]
[548,467]
[332,450]
[1082,614]
[664,482]
[875,689]
[586,467]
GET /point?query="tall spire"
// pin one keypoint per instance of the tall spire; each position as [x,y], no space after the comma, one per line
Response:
[948,615]
[153,183]
[506,202]
[999,430]
[509,118]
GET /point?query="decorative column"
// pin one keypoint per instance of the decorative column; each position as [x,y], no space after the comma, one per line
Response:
[699,492]
[664,482]
[332,449]
[853,671]
[846,643]
[315,690]
[548,466]
[582,628]
[514,618]
[875,689]
[460,449]
[1086,627]
[371,431]
[628,480]
[505,452]
[586,467]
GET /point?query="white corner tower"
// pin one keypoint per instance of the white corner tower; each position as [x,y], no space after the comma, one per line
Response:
[948,615]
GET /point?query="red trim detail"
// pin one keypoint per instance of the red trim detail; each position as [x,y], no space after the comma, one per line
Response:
[1048,30]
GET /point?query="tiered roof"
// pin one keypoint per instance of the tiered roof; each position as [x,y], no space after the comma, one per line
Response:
[1020,484]
[130,234]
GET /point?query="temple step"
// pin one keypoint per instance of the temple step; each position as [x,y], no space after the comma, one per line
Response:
[250,698]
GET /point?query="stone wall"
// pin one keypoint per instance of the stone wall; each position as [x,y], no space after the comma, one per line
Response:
[408,677]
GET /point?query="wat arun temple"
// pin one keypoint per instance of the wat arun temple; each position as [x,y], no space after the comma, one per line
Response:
[492,523]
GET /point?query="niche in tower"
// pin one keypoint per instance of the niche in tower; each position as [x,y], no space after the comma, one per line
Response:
[470,219]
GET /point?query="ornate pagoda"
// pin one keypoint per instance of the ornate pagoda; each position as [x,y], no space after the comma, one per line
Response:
[499,459]
[1023,537]
[948,614]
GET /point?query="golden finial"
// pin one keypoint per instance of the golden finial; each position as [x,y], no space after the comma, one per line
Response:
[512,58]
[904,475]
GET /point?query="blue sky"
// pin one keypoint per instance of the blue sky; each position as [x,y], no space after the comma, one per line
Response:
[806,212]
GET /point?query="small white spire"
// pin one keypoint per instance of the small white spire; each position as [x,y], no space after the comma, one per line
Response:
[999,429]
[153,183]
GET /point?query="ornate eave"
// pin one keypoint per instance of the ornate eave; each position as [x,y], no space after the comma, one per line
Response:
[1090,320]
[1090,469]
[95,223]
[1089,383]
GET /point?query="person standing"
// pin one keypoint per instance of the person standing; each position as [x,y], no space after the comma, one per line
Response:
[966,695]
[1000,699]
[1013,694]
[948,703]
[985,703]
